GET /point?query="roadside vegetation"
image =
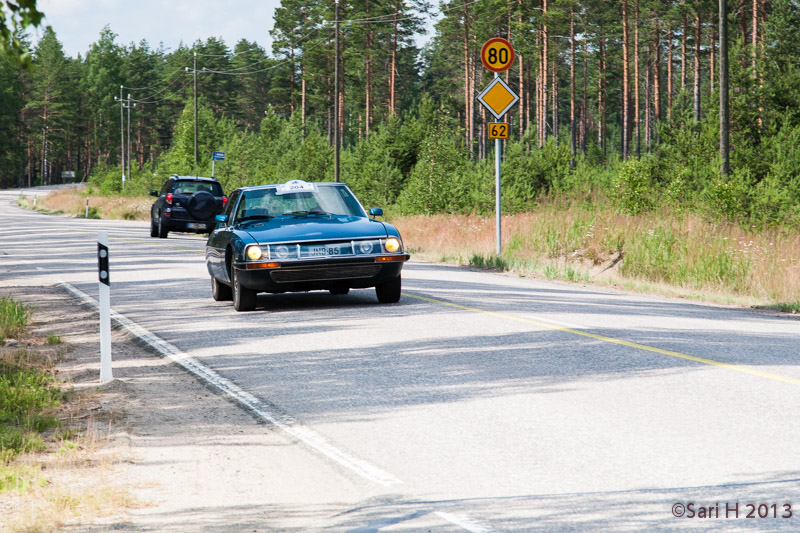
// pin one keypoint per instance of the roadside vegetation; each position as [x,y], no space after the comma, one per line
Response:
[45,437]
[584,238]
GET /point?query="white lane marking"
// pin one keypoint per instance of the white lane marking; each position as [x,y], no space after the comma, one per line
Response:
[464,522]
[285,423]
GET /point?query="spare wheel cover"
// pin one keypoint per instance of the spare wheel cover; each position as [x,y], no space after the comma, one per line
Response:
[202,205]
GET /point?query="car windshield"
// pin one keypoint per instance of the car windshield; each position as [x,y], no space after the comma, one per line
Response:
[319,200]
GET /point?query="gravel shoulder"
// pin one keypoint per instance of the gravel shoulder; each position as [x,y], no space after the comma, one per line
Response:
[187,458]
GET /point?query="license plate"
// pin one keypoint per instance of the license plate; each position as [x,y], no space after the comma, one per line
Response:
[326,250]
[195,225]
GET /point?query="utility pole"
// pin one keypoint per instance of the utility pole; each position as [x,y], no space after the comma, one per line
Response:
[195,112]
[124,104]
[724,121]
[194,74]
[121,137]
[336,98]
[129,133]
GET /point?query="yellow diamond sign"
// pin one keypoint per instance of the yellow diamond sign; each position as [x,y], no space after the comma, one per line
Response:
[498,98]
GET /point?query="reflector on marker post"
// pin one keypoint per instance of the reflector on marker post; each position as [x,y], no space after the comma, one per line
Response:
[105,307]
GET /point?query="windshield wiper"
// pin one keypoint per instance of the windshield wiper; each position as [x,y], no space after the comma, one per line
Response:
[254,217]
[305,213]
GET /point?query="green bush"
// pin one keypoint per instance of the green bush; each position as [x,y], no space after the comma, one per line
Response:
[632,187]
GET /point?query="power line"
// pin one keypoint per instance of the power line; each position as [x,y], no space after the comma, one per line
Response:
[281,63]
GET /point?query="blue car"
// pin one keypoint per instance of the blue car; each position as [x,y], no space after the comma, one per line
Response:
[301,236]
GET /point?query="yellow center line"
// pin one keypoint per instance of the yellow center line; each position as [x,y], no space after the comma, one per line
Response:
[737,368]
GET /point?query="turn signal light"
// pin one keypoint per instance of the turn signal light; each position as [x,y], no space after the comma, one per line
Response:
[255,266]
[390,258]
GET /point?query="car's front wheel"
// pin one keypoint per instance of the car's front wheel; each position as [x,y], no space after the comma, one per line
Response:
[244,299]
[389,292]
[219,291]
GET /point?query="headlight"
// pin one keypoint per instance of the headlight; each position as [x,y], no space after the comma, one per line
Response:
[365,247]
[393,244]
[282,252]
[254,253]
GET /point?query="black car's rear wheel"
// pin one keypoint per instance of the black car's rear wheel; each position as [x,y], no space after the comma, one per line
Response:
[153,227]
[163,230]
[244,299]
[219,291]
[389,292]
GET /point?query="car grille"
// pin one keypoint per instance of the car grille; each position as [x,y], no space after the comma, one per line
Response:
[325,273]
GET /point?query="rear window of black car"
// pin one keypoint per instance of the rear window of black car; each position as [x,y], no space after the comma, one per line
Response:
[191,187]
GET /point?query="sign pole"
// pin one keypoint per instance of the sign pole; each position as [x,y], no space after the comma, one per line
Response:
[497,159]
[105,308]
[497,55]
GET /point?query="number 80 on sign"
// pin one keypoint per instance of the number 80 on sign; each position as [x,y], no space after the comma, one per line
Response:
[497,55]
[498,130]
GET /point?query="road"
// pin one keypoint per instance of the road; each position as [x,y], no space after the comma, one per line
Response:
[481,401]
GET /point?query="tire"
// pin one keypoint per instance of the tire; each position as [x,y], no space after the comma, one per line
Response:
[153,227]
[163,230]
[244,299]
[219,291]
[389,292]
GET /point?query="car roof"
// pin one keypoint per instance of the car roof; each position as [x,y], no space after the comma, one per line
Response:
[265,186]
[194,178]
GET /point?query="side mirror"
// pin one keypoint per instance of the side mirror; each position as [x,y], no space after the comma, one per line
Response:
[221,218]
[375,212]
[153,193]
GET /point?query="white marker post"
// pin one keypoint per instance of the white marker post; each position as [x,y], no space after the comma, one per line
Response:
[105,307]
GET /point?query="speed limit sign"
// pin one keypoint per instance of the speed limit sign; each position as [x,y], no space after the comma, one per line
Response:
[497,55]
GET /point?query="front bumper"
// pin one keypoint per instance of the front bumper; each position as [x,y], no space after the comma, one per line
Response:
[300,276]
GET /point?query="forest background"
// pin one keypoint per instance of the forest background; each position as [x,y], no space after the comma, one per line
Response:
[619,111]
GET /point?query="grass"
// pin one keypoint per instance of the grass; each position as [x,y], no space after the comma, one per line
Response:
[665,252]
[72,201]
[13,318]
[50,473]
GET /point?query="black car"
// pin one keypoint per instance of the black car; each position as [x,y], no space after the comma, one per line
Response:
[186,203]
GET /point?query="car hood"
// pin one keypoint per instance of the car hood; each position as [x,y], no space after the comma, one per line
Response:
[314,228]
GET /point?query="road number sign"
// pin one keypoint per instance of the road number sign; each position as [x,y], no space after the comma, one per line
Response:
[497,55]
[498,130]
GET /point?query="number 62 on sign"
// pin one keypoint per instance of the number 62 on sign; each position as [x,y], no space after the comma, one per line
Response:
[498,130]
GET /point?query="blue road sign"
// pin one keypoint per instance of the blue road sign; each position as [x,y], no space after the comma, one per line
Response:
[219,156]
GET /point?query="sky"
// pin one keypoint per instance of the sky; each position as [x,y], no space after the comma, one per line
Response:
[77,23]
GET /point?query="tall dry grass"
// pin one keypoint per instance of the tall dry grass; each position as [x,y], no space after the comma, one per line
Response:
[661,251]
[72,202]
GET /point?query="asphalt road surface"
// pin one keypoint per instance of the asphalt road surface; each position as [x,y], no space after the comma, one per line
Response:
[481,401]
